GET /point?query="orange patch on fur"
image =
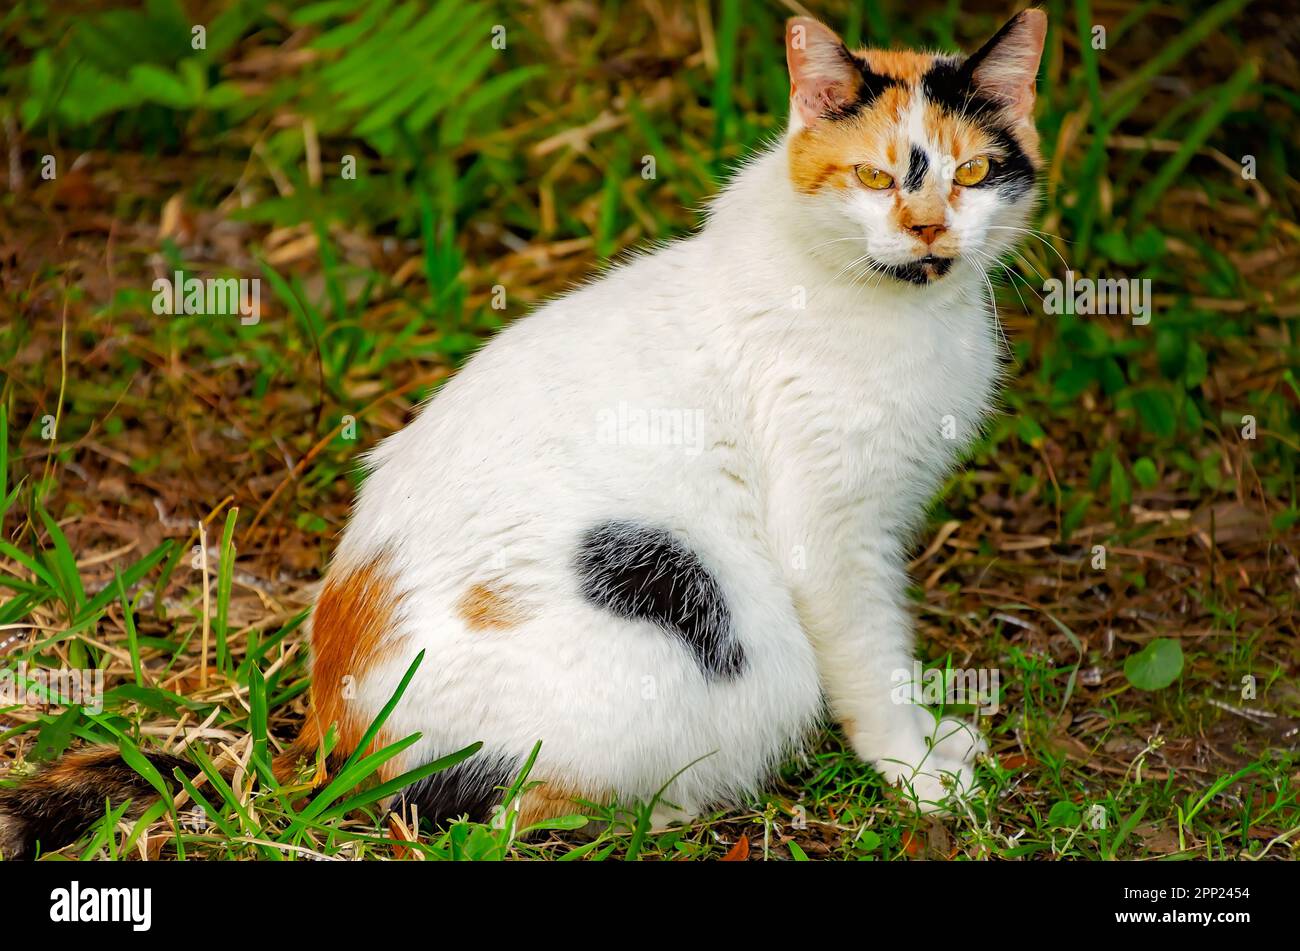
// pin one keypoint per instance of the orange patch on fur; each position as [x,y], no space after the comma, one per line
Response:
[963,139]
[920,209]
[352,619]
[70,768]
[827,152]
[286,765]
[905,65]
[890,105]
[483,608]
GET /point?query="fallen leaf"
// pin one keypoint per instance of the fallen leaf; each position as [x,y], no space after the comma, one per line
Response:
[739,852]
[911,845]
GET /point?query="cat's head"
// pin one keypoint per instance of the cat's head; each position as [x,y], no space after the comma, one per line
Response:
[910,165]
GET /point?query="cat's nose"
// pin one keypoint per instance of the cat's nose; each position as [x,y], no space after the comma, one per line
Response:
[927,233]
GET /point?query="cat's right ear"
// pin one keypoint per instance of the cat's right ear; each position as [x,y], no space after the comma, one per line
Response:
[824,79]
[1006,67]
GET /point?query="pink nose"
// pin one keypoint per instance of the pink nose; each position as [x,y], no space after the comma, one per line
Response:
[927,233]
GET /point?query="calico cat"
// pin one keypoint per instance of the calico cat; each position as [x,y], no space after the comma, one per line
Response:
[662,524]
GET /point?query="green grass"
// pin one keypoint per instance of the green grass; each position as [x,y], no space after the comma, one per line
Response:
[490,177]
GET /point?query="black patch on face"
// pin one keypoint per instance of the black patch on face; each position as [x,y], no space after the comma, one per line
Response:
[949,84]
[917,167]
[921,271]
[472,788]
[870,87]
[642,573]
[1013,174]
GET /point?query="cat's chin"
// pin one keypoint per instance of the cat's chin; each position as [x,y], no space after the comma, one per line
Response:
[922,271]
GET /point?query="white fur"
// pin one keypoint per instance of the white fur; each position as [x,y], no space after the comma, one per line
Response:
[819,444]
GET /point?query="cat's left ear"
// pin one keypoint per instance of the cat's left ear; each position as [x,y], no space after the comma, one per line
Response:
[1006,67]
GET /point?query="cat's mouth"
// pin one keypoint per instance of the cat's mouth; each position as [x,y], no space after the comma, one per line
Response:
[921,271]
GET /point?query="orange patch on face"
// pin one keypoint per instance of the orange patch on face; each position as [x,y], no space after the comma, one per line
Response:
[898,64]
[963,139]
[827,152]
[352,619]
[945,131]
[813,163]
[955,137]
[889,106]
[924,208]
[485,608]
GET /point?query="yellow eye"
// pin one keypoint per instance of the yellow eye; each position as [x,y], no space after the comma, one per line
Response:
[874,177]
[972,172]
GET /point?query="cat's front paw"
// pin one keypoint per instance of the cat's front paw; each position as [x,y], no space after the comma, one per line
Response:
[936,764]
[954,739]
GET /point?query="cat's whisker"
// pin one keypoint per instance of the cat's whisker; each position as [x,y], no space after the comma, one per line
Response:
[1020,296]
[993,307]
[1023,260]
[1036,231]
[1041,236]
[1014,277]
[824,244]
[1028,263]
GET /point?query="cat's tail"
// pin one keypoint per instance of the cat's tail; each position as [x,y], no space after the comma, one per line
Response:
[57,804]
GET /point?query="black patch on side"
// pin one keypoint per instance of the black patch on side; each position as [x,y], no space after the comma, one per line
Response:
[472,788]
[949,84]
[62,800]
[647,574]
[921,271]
[917,167]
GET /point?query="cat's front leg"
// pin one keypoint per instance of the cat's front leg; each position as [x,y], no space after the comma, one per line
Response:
[862,632]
